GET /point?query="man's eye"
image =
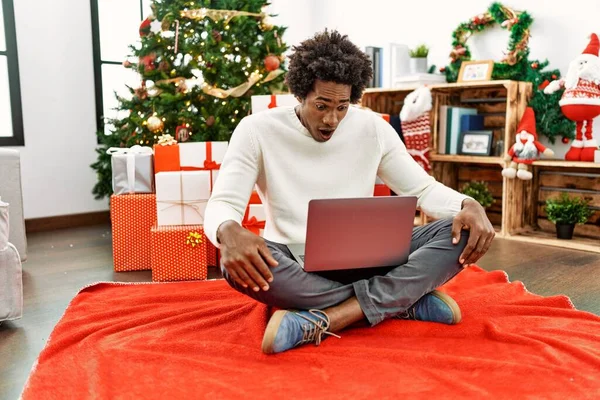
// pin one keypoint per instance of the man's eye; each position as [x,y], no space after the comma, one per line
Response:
[342,108]
[320,107]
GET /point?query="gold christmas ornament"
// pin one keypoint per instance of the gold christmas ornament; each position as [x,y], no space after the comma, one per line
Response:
[266,23]
[155,124]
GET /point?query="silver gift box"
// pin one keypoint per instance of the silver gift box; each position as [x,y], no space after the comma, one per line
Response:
[132,169]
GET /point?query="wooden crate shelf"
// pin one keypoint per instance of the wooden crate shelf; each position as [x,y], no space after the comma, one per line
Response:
[566,164]
[467,159]
[518,212]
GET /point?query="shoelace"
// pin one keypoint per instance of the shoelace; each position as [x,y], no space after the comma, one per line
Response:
[315,331]
[408,314]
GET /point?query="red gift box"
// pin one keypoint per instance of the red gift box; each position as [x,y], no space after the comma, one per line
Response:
[382,190]
[166,158]
[132,216]
[179,253]
[212,254]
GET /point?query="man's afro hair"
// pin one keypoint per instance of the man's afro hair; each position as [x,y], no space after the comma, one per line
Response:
[331,57]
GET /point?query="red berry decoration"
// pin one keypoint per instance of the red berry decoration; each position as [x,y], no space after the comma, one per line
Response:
[565,140]
[553,76]
[544,84]
[272,62]
[534,65]
[145,27]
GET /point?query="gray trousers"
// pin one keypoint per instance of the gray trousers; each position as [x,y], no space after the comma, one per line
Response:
[381,292]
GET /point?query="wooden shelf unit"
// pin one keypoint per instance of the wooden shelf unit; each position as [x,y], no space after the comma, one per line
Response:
[518,212]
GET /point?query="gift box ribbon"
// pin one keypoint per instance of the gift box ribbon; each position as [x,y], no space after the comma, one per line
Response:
[130,153]
[209,164]
[253,225]
[193,204]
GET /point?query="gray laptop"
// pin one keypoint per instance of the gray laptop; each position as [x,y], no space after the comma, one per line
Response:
[356,233]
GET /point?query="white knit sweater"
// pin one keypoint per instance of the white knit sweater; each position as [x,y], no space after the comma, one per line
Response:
[274,150]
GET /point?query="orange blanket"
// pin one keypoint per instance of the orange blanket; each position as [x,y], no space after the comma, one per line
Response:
[202,340]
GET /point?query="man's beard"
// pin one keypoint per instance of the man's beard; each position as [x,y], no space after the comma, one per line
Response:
[526,151]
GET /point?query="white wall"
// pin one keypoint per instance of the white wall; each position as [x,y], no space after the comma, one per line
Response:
[297,15]
[57,87]
[559,32]
[57,74]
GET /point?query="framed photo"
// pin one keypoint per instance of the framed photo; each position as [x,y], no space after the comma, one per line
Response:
[473,71]
[475,143]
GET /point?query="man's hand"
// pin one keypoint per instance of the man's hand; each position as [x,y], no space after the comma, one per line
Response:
[472,217]
[245,256]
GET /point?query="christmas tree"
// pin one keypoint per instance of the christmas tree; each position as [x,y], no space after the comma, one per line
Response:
[199,62]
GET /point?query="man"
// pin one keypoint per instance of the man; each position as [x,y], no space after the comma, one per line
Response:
[323,148]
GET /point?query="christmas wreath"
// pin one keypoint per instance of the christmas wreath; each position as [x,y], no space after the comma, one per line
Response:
[515,65]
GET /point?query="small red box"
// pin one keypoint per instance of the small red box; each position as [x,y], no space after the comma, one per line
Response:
[132,216]
[178,253]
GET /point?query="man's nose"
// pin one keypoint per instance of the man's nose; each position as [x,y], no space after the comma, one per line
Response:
[331,119]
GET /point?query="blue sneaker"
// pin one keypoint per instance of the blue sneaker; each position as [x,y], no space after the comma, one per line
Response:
[289,329]
[434,307]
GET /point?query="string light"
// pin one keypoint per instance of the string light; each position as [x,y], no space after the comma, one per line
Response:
[224,103]
[237,111]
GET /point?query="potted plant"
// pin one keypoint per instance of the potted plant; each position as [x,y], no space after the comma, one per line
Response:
[567,211]
[480,192]
[418,59]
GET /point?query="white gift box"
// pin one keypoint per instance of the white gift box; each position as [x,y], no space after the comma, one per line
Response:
[265,102]
[257,211]
[181,197]
[132,169]
[195,154]
[597,156]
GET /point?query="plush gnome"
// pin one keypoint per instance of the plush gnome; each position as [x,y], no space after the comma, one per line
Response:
[416,126]
[581,100]
[525,150]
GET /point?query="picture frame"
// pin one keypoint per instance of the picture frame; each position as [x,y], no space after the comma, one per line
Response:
[476,143]
[475,71]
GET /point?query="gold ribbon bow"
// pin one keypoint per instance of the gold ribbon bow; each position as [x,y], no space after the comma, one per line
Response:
[194,239]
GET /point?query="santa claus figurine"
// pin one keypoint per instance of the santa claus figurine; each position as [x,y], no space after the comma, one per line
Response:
[526,149]
[581,100]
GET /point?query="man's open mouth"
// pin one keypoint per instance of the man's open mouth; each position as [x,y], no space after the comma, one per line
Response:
[326,133]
